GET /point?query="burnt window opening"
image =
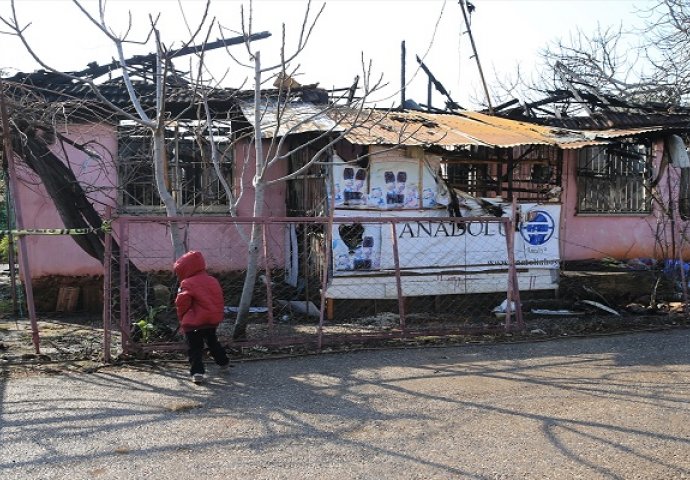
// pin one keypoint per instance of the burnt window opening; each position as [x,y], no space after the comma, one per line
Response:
[615,179]
[190,175]
[528,173]
[306,194]
[468,170]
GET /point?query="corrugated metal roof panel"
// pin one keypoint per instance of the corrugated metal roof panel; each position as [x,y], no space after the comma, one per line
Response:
[373,127]
[278,119]
[467,128]
[611,120]
[602,137]
[582,144]
[623,132]
[378,127]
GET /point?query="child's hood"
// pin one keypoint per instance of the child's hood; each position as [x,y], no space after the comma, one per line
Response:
[189,264]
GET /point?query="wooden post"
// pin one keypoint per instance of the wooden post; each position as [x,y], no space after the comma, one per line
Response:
[402,75]
[19,221]
[330,309]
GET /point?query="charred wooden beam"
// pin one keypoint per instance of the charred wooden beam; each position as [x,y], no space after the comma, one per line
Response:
[95,71]
[450,104]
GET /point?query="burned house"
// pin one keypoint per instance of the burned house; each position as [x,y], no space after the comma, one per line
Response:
[581,194]
[568,192]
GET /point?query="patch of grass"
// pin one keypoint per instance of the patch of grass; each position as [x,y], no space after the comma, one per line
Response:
[6,306]
[5,249]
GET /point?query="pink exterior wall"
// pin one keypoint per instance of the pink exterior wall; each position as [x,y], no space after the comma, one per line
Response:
[274,199]
[582,236]
[223,244]
[60,255]
[619,236]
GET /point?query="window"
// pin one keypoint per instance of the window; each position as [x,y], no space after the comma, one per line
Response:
[614,179]
[468,170]
[190,174]
[530,173]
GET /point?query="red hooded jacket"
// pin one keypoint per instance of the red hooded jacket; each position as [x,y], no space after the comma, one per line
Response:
[199,300]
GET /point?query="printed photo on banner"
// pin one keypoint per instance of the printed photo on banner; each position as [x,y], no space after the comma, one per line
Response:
[350,183]
[394,184]
[356,247]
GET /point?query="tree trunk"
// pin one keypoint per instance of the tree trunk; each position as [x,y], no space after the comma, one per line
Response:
[74,208]
[166,197]
[240,331]
[255,244]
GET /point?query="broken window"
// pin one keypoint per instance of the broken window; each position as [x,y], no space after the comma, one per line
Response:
[528,173]
[189,171]
[614,179]
[468,170]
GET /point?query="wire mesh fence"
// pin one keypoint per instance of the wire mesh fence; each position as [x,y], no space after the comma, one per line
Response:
[317,280]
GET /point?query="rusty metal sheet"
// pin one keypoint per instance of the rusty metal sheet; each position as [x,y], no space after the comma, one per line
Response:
[279,119]
[380,127]
[624,132]
[582,144]
[466,128]
[373,127]
[602,137]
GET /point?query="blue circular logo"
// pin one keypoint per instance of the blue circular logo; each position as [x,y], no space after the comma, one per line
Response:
[539,227]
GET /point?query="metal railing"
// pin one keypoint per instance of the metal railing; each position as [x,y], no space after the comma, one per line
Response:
[320,281]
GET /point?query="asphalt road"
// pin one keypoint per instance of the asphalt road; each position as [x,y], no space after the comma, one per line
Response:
[609,407]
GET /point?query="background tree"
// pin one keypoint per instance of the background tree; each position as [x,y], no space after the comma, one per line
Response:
[647,65]
[154,121]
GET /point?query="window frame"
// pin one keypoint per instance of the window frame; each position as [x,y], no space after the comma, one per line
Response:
[137,192]
[615,179]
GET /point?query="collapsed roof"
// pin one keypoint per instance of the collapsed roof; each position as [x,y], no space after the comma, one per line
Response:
[415,128]
[597,111]
[311,109]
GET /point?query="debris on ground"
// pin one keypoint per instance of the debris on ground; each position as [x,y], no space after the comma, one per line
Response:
[590,303]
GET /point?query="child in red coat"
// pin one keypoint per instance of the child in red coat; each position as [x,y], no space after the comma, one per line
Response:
[199,304]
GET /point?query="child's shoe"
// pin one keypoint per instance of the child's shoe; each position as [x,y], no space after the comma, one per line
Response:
[198,378]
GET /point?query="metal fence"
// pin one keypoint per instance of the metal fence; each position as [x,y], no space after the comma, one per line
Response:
[319,281]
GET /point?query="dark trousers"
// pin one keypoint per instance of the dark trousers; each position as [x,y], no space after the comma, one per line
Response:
[195,352]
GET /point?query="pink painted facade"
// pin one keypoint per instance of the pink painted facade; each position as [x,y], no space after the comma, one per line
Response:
[59,254]
[149,242]
[621,237]
[581,236]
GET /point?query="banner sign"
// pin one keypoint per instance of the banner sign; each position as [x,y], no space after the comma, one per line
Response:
[406,183]
[450,244]
[356,247]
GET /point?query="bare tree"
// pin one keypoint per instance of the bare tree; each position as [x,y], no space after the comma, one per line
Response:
[344,114]
[155,122]
[270,140]
[639,66]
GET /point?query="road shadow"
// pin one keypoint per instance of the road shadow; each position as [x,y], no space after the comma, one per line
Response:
[357,401]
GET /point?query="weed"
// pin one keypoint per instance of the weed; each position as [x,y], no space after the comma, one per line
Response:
[5,249]
[146,325]
[6,306]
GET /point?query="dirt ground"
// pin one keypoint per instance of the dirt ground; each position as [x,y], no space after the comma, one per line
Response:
[75,341]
